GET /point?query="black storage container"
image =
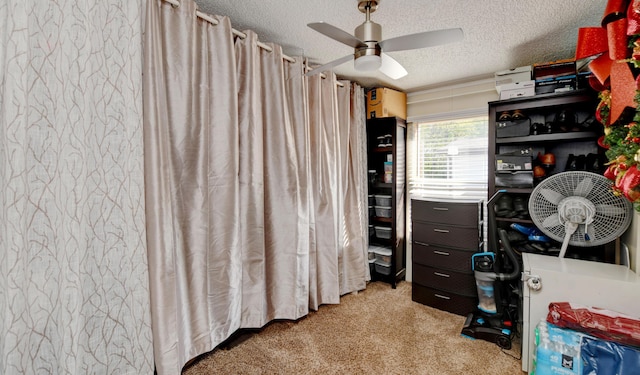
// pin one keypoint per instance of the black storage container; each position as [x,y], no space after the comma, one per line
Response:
[514,179]
[518,128]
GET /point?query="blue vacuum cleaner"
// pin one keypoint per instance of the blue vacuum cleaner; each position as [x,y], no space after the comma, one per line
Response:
[492,321]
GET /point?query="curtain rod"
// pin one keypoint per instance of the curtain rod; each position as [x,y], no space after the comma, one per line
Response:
[208,18]
[235,32]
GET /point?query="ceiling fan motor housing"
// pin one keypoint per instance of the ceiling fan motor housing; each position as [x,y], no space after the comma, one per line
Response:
[370,33]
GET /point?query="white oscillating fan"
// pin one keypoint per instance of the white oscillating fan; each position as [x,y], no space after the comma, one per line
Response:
[579,209]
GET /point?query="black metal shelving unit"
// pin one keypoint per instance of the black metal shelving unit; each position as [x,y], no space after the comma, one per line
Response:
[392,225]
[577,139]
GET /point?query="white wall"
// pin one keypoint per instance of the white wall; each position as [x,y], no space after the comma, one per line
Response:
[456,98]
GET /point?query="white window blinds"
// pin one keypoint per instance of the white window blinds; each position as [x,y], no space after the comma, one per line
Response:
[447,158]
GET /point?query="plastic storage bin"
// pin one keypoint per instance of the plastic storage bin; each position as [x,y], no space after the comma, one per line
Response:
[383,200]
[383,255]
[383,211]
[372,253]
[383,232]
[382,268]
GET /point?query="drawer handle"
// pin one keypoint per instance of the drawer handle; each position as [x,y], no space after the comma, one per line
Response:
[441,230]
[441,274]
[441,209]
[441,296]
[440,253]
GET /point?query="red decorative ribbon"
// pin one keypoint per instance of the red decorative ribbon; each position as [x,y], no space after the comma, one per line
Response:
[633,18]
[612,68]
[629,184]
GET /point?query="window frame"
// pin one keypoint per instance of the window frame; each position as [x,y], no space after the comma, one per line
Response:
[447,189]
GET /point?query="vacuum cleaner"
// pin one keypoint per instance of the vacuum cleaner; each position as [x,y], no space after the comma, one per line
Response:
[496,275]
[493,319]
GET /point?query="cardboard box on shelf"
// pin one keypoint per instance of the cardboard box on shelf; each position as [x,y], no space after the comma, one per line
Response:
[385,102]
[517,128]
[514,179]
[583,73]
[554,76]
[518,90]
[513,163]
[510,76]
[554,69]
[558,84]
[582,80]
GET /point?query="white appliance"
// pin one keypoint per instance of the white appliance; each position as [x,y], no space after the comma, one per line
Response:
[549,279]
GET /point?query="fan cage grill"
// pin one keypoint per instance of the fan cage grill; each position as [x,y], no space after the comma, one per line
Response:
[612,218]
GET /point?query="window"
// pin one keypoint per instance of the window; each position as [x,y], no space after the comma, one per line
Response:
[447,158]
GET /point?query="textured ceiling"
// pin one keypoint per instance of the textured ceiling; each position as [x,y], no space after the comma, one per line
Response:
[499,34]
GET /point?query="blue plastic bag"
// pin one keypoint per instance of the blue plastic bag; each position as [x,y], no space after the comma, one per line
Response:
[601,357]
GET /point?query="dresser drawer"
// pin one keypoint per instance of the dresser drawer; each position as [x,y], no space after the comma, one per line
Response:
[454,303]
[442,257]
[458,214]
[450,236]
[454,282]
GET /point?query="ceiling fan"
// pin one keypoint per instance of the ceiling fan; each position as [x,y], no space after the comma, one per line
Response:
[369,51]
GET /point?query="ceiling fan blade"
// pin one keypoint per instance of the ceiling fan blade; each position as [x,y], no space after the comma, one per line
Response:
[329,65]
[422,40]
[584,187]
[552,196]
[391,68]
[337,34]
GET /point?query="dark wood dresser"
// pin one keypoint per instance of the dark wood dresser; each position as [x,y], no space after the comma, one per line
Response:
[445,235]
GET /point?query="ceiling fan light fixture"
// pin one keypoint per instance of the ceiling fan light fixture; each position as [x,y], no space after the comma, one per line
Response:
[367,63]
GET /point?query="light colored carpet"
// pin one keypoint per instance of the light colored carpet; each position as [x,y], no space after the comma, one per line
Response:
[377,331]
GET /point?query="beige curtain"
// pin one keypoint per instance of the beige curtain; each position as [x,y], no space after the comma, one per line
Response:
[246,173]
[274,278]
[192,183]
[297,91]
[354,267]
[325,158]
[74,295]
